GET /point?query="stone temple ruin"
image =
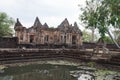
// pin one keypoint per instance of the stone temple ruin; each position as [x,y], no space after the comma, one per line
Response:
[43,34]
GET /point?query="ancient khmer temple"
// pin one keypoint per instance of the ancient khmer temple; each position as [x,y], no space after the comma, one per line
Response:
[65,33]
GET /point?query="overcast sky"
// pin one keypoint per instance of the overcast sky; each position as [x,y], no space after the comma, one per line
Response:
[51,11]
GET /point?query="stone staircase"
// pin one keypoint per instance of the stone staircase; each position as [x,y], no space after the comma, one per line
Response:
[100,56]
[115,59]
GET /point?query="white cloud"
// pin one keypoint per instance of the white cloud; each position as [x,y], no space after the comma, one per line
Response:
[6,3]
[51,11]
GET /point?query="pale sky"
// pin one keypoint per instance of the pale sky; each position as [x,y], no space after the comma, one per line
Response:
[53,12]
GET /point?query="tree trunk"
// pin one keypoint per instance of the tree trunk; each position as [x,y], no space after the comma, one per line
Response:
[113,39]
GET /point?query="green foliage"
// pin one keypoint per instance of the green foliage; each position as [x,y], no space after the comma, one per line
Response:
[89,17]
[92,17]
[91,64]
[108,40]
[101,14]
[5,23]
[87,37]
[113,7]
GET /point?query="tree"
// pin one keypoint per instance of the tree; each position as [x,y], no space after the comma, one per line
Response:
[5,23]
[117,35]
[101,14]
[114,12]
[113,15]
[87,36]
[108,40]
[88,17]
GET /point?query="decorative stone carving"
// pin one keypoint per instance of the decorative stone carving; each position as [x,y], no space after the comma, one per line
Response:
[41,34]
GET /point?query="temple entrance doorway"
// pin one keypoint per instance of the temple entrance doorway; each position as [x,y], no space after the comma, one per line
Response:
[31,38]
[74,39]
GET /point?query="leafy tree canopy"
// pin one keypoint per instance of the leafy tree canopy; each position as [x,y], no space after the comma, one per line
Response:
[101,15]
[5,23]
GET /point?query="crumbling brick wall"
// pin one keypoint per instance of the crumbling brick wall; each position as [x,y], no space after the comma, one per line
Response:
[8,42]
